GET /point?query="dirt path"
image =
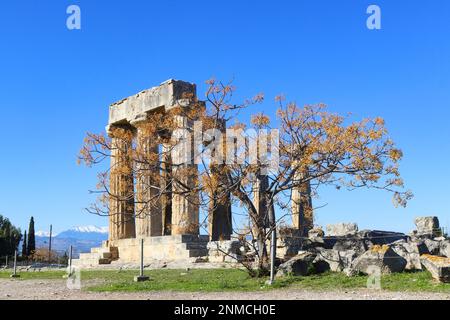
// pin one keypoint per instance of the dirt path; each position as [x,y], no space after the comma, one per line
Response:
[57,290]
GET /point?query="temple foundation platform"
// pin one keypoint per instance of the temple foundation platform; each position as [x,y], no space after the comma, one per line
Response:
[174,248]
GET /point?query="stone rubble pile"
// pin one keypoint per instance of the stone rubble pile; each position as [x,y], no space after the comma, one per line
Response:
[343,248]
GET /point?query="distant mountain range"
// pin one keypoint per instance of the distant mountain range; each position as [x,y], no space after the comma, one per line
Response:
[81,238]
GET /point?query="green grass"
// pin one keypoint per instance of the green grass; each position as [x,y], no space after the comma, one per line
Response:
[180,280]
[45,275]
[235,280]
[406,281]
[238,280]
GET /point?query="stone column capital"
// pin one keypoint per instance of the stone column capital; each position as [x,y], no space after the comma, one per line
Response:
[139,120]
[111,129]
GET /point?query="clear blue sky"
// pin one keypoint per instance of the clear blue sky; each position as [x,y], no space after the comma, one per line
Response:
[56,84]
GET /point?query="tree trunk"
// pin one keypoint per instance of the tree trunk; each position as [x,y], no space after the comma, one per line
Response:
[273,239]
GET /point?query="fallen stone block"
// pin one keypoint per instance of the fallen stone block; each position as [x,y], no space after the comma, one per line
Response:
[355,244]
[311,244]
[289,242]
[377,237]
[428,226]
[300,265]
[439,267]
[315,233]
[410,252]
[382,257]
[444,248]
[334,260]
[225,251]
[433,247]
[342,229]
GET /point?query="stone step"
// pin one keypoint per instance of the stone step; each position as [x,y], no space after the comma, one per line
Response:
[89,256]
[85,262]
[106,252]
[76,262]
[196,245]
[197,253]
[99,250]
[107,255]
[97,256]
[104,261]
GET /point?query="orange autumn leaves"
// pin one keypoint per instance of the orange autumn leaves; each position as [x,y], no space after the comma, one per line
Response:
[327,148]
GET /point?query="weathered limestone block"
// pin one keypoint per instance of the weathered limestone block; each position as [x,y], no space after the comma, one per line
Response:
[316,233]
[170,94]
[420,245]
[356,244]
[439,267]
[410,252]
[334,260]
[121,201]
[427,226]
[225,251]
[382,257]
[433,247]
[300,265]
[377,237]
[288,243]
[342,229]
[444,249]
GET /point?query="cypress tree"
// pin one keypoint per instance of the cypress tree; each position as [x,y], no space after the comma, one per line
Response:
[31,245]
[24,245]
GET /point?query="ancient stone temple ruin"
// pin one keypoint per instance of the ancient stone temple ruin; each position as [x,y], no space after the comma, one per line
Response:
[171,229]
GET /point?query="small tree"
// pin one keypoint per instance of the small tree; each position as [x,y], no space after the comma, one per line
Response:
[31,243]
[64,259]
[10,237]
[43,255]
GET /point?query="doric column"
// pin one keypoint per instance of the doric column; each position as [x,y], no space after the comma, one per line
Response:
[185,200]
[148,205]
[220,224]
[260,184]
[302,211]
[166,186]
[121,215]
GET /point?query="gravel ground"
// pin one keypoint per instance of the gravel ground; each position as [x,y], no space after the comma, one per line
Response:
[11,289]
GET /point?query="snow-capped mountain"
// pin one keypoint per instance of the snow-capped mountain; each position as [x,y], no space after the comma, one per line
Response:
[81,238]
[90,229]
[85,233]
[41,233]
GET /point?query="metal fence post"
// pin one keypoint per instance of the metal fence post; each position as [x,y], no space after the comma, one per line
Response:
[50,247]
[141,277]
[15,275]
[70,260]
